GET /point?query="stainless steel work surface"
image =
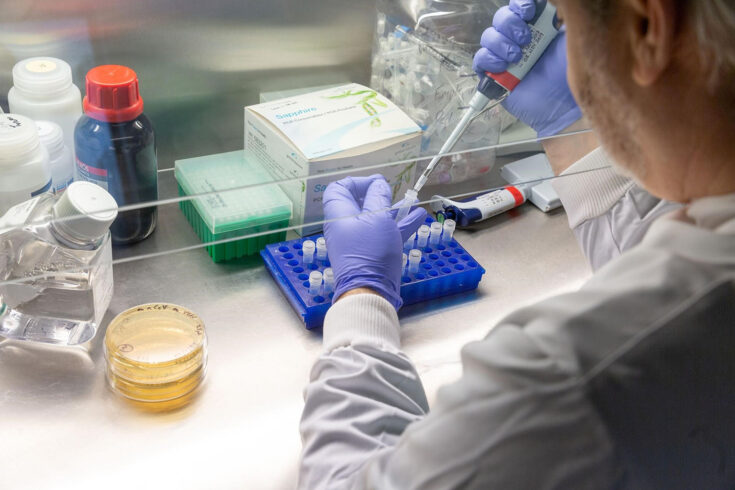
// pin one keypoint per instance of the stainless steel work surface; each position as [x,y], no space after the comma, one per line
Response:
[61,426]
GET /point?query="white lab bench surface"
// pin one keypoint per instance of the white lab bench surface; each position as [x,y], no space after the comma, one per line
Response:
[61,426]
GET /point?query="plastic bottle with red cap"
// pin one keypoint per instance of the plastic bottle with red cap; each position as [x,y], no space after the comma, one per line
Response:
[116,149]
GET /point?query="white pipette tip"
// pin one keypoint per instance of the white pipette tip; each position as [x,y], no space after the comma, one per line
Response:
[411,198]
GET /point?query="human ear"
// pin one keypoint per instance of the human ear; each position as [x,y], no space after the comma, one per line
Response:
[650,26]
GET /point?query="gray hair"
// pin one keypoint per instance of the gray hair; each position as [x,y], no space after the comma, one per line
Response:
[714,24]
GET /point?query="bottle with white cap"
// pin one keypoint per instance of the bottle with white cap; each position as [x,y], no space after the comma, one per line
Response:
[57,283]
[24,162]
[43,90]
[60,159]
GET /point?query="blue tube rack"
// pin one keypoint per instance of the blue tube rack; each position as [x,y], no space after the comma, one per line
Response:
[444,270]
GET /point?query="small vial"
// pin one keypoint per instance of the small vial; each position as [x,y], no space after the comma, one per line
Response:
[414,259]
[328,280]
[315,282]
[308,248]
[449,226]
[321,248]
[404,265]
[423,236]
[410,199]
[409,243]
[436,233]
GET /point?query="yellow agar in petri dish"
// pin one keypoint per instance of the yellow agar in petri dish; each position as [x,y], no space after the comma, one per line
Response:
[156,355]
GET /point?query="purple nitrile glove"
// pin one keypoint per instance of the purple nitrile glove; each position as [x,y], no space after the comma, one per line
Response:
[542,99]
[364,243]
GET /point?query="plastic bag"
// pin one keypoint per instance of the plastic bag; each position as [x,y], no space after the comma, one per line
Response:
[422,60]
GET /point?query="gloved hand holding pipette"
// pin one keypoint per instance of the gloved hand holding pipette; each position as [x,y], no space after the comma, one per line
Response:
[522,33]
[543,99]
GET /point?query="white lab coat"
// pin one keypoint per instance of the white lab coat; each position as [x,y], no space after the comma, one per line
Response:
[627,383]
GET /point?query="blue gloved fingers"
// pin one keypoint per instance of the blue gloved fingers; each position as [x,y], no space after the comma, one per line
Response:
[339,202]
[410,224]
[487,61]
[509,24]
[358,186]
[500,45]
[378,196]
[525,8]
[344,197]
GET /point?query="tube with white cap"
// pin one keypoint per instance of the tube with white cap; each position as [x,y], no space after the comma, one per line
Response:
[315,283]
[448,230]
[308,248]
[423,236]
[328,280]
[436,233]
[321,249]
[414,259]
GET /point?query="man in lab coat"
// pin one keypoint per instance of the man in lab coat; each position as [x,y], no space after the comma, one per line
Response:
[628,382]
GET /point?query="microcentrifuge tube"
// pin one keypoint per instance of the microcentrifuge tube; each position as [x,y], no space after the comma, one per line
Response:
[404,265]
[321,248]
[408,245]
[423,236]
[449,226]
[315,282]
[436,233]
[328,280]
[414,259]
[308,249]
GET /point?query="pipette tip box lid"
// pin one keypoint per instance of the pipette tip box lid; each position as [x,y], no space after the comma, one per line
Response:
[444,269]
[236,201]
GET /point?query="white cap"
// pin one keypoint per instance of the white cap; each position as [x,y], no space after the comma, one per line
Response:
[42,76]
[92,207]
[329,274]
[52,137]
[18,139]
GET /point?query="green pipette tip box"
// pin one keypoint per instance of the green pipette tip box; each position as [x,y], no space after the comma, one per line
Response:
[233,204]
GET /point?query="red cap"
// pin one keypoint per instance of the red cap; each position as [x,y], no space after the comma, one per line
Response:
[112,94]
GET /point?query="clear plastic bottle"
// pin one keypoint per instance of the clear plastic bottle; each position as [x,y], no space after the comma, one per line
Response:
[43,89]
[56,266]
[24,162]
[60,158]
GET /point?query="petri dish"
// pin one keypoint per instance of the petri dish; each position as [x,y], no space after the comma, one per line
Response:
[156,355]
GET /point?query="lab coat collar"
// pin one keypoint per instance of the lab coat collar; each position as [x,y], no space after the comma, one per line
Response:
[703,231]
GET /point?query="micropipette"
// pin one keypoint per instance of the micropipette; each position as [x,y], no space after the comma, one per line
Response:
[480,208]
[493,87]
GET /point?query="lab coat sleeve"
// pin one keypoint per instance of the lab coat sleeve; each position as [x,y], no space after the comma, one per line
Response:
[608,213]
[363,392]
[515,419]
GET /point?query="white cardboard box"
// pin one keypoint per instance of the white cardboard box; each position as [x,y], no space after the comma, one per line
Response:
[332,130]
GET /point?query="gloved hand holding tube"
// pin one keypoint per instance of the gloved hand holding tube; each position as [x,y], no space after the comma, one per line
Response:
[364,242]
[542,99]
